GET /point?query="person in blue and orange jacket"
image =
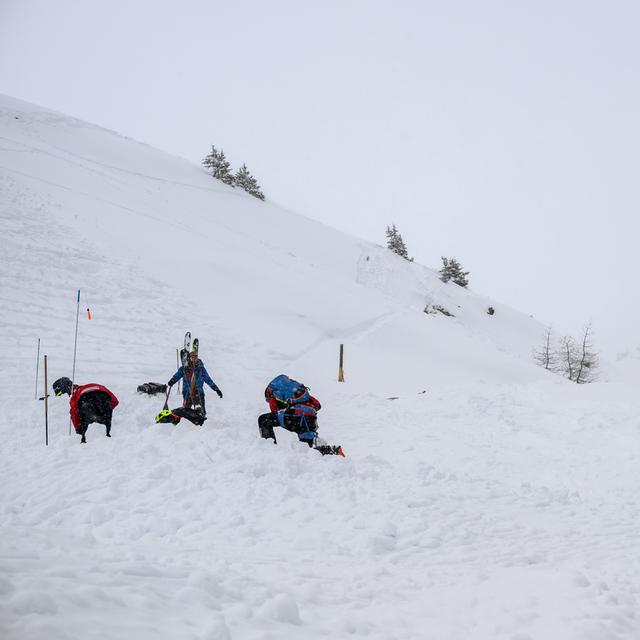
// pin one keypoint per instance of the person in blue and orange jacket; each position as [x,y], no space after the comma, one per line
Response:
[293,408]
[195,375]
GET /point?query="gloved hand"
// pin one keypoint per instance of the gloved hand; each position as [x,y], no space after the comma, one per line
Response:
[219,393]
[169,385]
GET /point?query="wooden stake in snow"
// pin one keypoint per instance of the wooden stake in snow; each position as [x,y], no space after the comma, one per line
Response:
[46,405]
[340,366]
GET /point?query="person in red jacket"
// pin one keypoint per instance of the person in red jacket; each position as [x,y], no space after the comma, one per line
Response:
[88,403]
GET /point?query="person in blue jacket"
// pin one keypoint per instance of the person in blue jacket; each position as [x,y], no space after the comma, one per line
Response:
[194,375]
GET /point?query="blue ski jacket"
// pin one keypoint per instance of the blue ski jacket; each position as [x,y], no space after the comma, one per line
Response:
[202,376]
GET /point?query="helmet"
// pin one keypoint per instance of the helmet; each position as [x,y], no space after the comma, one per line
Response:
[167,416]
[62,385]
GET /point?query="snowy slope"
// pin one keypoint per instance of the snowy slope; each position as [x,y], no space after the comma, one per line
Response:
[262,278]
[499,504]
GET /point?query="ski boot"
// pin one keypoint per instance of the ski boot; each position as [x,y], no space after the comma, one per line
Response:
[330,450]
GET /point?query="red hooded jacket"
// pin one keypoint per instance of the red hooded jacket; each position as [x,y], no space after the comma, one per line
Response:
[79,392]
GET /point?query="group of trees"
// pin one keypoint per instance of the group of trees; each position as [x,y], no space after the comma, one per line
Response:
[574,359]
[220,168]
[450,270]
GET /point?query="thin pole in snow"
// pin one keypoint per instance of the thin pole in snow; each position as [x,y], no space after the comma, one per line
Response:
[46,405]
[75,346]
[37,367]
[166,398]
[340,366]
[178,365]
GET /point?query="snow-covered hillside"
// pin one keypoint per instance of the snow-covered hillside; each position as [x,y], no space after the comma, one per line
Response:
[500,503]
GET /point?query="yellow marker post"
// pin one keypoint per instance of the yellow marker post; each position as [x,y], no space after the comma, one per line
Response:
[340,367]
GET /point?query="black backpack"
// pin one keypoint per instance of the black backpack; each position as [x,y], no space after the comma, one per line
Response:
[196,416]
[152,388]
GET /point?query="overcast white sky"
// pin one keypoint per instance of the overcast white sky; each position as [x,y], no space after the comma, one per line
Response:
[503,133]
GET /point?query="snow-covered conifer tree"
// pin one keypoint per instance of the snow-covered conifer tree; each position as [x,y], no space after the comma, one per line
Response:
[396,243]
[219,166]
[452,270]
[246,181]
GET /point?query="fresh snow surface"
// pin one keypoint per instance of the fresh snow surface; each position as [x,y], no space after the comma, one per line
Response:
[501,503]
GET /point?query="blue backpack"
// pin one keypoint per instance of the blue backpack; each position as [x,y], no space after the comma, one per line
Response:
[283,388]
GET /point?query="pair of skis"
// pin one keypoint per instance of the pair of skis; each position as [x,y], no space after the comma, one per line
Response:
[166,415]
[188,348]
[183,357]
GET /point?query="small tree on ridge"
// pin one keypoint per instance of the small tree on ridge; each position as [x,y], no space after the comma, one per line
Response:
[451,270]
[396,243]
[218,165]
[546,356]
[246,181]
[587,359]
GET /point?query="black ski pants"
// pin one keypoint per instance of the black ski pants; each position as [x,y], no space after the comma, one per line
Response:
[94,406]
[305,426]
[197,401]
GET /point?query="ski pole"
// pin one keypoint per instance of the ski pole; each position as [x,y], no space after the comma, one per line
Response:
[46,405]
[166,399]
[178,365]
[37,367]
[75,346]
